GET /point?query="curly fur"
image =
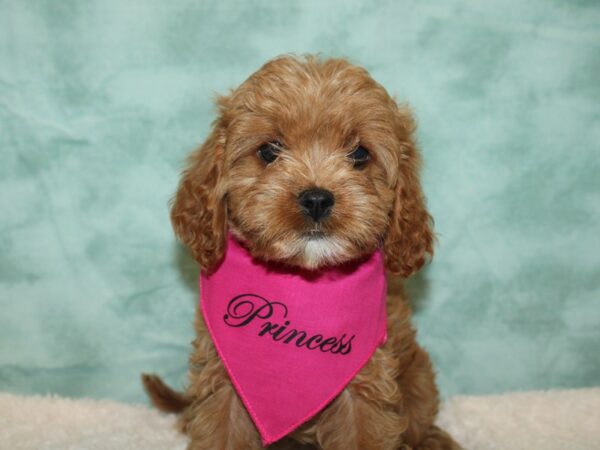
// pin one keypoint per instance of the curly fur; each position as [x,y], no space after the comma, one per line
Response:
[318,111]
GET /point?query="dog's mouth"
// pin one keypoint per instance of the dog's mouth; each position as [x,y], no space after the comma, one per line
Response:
[314,234]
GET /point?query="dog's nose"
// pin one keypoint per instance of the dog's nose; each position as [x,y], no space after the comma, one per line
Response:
[316,203]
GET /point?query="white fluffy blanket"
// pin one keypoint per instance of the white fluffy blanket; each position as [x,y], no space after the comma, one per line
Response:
[561,420]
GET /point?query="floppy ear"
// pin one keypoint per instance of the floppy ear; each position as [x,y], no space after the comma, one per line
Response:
[409,240]
[198,211]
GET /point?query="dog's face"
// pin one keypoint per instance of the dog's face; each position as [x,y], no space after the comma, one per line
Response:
[310,163]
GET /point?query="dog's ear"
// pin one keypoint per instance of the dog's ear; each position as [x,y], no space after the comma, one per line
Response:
[409,240]
[199,212]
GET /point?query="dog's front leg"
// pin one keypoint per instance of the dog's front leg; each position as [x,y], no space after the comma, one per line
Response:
[220,422]
[216,418]
[353,423]
[365,415]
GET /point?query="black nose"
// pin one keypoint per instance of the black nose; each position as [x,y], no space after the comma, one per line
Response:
[316,203]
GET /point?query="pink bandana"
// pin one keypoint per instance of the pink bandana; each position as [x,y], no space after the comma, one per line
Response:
[292,340]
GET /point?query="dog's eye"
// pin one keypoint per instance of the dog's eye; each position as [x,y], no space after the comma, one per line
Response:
[269,152]
[360,156]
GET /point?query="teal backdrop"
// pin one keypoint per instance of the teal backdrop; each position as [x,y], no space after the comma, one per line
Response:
[101,100]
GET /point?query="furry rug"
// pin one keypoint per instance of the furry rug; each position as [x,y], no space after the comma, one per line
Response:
[562,420]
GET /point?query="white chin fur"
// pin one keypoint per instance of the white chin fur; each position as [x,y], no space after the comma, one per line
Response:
[320,251]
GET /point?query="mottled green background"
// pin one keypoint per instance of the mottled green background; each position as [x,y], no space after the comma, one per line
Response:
[101,100]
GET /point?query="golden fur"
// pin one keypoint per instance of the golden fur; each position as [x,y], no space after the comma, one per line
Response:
[317,111]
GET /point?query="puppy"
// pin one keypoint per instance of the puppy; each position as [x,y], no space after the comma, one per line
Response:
[324,126]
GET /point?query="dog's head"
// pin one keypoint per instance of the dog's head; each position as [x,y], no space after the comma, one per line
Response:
[311,163]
